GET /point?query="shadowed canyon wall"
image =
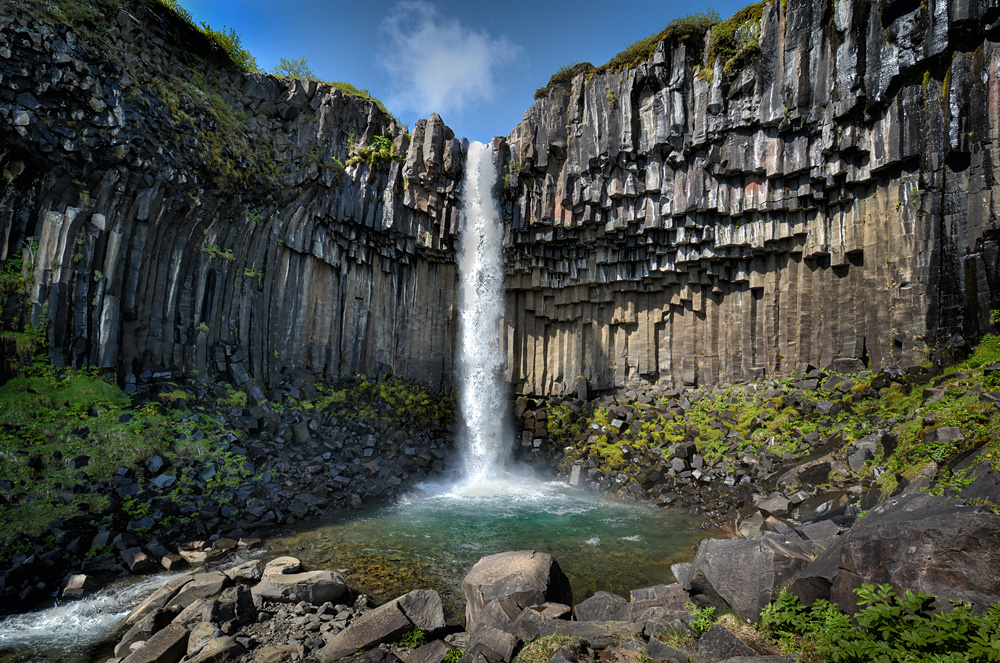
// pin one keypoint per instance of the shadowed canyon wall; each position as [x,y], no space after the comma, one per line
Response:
[177,216]
[832,196]
[828,195]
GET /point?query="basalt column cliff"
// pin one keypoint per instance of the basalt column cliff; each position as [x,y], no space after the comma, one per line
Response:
[819,190]
[172,215]
[825,191]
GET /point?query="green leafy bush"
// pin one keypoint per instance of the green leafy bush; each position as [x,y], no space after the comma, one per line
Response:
[228,40]
[701,618]
[293,68]
[454,655]
[888,628]
[413,638]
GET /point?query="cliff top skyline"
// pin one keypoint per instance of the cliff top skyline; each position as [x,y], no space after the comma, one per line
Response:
[476,64]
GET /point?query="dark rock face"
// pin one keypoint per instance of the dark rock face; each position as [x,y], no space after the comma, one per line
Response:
[233,237]
[683,222]
[921,542]
[826,203]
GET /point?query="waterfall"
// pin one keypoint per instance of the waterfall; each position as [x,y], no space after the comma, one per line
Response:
[484,398]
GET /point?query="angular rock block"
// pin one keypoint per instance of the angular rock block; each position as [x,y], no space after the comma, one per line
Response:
[922,542]
[746,573]
[526,577]
[280,582]
[420,608]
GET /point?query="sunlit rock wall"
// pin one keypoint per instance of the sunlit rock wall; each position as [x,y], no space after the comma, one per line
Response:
[835,198]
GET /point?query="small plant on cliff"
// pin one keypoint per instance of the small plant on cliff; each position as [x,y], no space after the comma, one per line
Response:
[293,68]
[229,40]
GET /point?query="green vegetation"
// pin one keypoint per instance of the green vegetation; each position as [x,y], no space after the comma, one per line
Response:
[565,74]
[299,68]
[689,29]
[66,433]
[543,648]
[887,628]
[701,618]
[727,423]
[735,40]
[392,399]
[214,251]
[454,655]
[293,68]
[228,40]
[382,149]
[413,638]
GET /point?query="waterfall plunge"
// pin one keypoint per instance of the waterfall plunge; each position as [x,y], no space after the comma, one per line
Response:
[485,429]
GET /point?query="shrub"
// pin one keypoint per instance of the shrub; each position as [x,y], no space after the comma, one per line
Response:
[294,68]
[454,655]
[229,41]
[413,638]
[888,628]
[701,618]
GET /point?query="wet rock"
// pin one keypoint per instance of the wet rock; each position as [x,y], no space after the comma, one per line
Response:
[78,585]
[139,562]
[248,572]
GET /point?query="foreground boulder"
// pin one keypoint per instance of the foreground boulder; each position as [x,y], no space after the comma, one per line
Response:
[420,608]
[937,545]
[526,577]
[745,573]
[283,581]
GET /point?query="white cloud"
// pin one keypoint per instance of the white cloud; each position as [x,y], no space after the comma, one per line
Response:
[438,65]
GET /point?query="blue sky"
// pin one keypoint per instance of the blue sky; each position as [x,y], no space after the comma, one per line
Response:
[475,63]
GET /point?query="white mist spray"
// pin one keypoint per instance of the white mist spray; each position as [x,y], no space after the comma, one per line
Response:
[485,431]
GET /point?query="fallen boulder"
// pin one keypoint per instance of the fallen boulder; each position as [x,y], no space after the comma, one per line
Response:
[420,608]
[281,581]
[527,577]
[937,545]
[746,573]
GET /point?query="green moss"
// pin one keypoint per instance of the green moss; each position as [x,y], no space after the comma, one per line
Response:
[690,29]
[51,416]
[735,33]
[565,74]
